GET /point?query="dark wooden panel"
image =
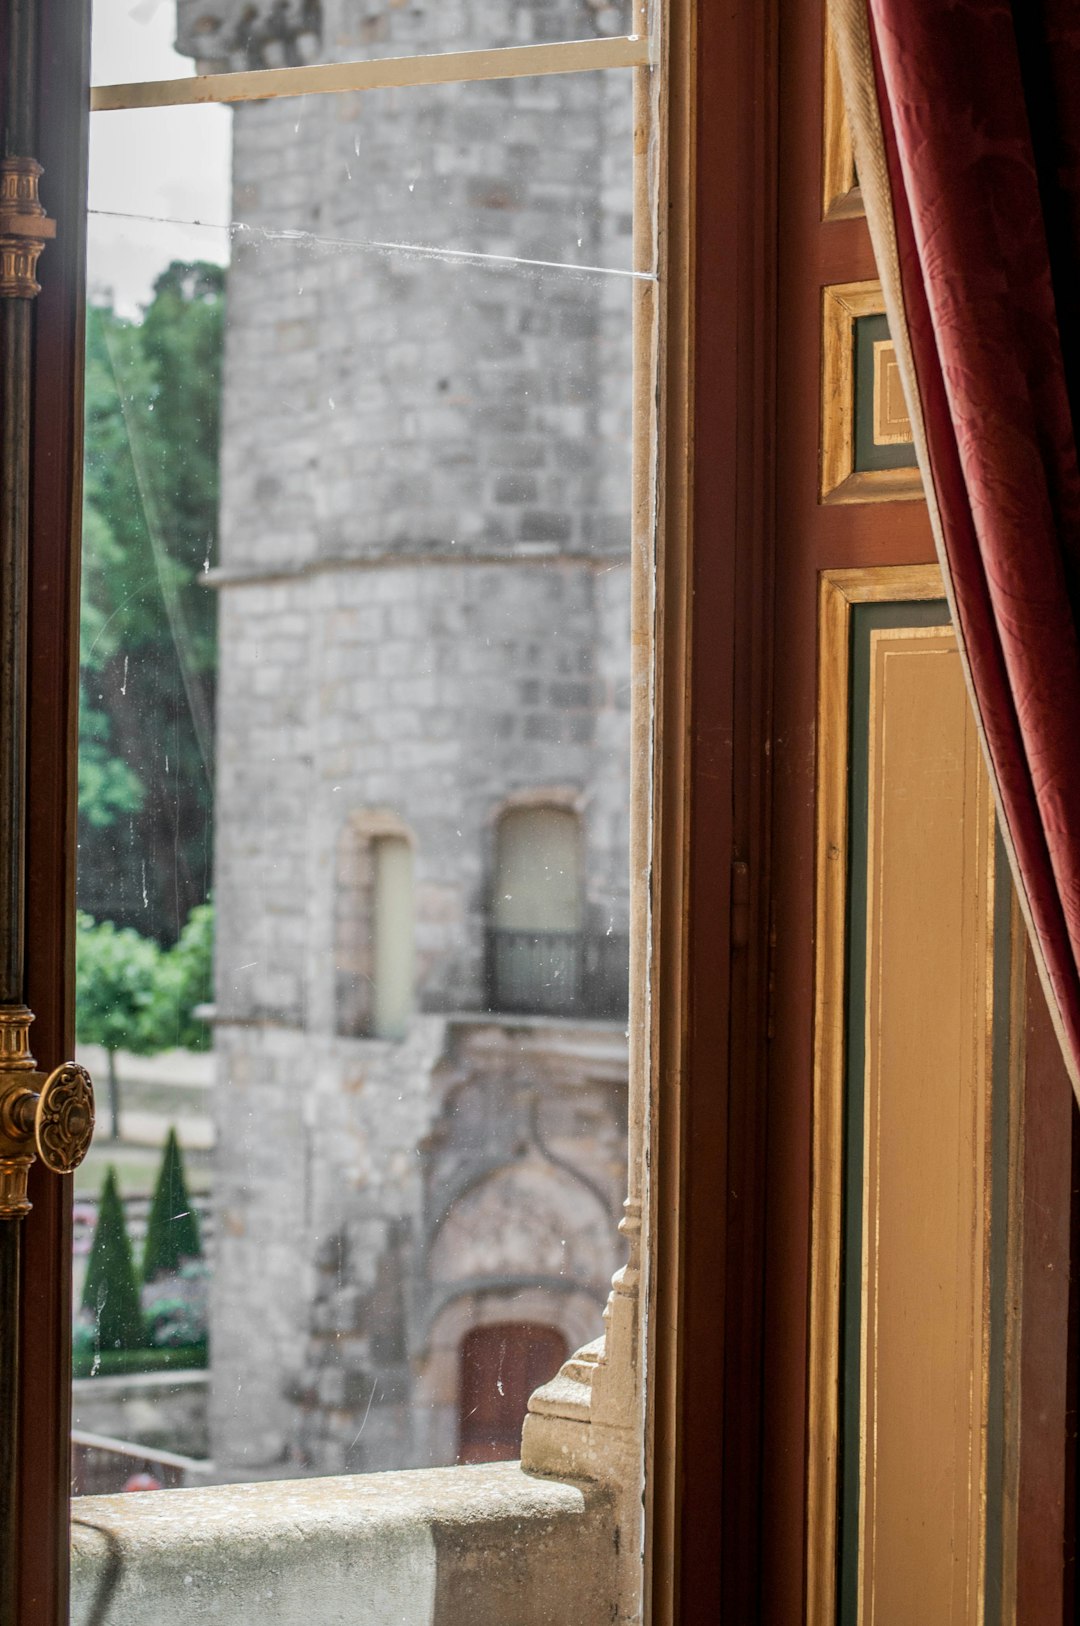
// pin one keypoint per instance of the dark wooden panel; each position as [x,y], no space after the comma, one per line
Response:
[55,520]
[1042,1598]
[811,537]
[713,1293]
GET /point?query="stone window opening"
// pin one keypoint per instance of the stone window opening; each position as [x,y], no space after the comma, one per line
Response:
[551,950]
[536,916]
[374,947]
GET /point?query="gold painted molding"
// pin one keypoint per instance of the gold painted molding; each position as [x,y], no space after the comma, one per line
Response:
[842,304]
[892,426]
[841,194]
[926,1189]
[839,591]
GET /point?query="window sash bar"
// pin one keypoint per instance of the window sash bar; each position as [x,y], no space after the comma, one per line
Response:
[443,68]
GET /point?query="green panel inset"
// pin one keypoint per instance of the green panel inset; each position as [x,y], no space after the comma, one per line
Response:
[871,330]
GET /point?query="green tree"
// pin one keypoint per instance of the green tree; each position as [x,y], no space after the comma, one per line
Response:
[172,1232]
[116,973]
[107,786]
[111,1290]
[185,980]
[133,995]
[148,628]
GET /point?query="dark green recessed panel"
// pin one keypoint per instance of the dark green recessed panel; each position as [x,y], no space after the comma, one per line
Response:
[871,331]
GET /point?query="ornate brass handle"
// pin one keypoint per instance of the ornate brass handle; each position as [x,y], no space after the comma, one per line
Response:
[25,228]
[64,1118]
[48,1117]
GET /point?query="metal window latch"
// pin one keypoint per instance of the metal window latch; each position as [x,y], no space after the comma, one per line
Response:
[25,228]
[50,1117]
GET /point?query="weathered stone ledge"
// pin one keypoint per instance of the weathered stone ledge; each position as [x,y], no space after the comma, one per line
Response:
[476,1546]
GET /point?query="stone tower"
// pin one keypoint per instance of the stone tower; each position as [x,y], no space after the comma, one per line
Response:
[422,787]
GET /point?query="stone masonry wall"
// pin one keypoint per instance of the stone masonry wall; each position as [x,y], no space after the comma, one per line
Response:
[416,403]
[436,693]
[358,1210]
[238,34]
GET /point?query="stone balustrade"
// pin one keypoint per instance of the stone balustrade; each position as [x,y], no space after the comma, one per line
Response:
[474,1546]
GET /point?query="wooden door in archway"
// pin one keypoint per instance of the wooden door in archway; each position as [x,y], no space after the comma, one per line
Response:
[501,1365]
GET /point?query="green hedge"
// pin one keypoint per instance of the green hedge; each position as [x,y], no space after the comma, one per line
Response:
[172,1231]
[114,1362]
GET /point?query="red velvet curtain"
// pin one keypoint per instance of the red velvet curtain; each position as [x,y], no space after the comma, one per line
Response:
[980,110]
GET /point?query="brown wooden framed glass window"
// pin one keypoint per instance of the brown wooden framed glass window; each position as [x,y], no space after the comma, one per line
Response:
[745,542]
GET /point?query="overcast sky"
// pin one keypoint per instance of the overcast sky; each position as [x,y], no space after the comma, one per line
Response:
[162,165]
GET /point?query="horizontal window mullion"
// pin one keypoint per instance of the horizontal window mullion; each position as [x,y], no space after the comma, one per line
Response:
[443,68]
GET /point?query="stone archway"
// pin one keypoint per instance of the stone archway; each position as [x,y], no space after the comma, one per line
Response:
[527,1243]
[577,1316]
[500,1364]
[527,1220]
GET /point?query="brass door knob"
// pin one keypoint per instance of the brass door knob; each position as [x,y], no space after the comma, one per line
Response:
[51,1117]
[64,1118]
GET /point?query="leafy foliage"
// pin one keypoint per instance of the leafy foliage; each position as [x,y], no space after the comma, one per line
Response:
[172,1230]
[176,1307]
[116,987]
[133,995]
[107,786]
[185,981]
[110,1292]
[153,392]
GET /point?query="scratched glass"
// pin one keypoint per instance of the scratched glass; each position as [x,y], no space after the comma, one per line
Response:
[354,774]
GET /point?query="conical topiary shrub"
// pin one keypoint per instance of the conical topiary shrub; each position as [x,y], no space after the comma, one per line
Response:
[172,1231]
[111,1290]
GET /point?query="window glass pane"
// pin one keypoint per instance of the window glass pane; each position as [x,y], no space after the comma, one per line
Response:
[354,773]
[530,170]
[171,39]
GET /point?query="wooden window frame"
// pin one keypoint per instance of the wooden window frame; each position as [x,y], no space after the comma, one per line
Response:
[328,78]
[718,271]
[841,194]
[717,327]
[53,633]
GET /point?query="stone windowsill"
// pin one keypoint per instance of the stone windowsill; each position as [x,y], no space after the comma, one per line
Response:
[476,1546]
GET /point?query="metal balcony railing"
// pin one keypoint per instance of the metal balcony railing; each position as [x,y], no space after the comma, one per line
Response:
[101,1466]
[545,973]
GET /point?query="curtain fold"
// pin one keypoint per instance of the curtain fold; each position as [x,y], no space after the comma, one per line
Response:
[966,123]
